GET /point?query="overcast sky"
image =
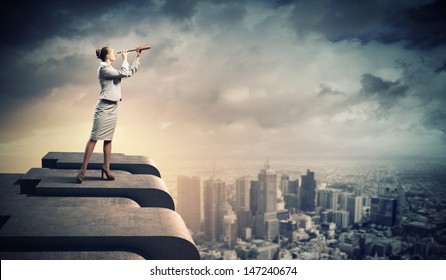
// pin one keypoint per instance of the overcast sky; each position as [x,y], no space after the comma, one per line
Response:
[229,79]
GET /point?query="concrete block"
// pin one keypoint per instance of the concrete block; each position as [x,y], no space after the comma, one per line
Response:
[45,214]
[132,164]
[146,190]
[153,233]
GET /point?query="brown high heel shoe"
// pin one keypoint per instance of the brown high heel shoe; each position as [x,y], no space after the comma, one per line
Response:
[80,177]
[108,175]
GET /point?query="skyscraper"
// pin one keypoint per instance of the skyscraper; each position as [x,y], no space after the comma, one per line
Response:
[284,182]
[292,197]
[341,218]
[266,222]
[214,209]
[354,207]
[328,199]
[383,211]
[242,187]
[253,193]
[230,230]
[190,202]
[243,204]
[293,187]
[308,192]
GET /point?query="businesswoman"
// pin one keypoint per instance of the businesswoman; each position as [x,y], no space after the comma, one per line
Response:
[106,111]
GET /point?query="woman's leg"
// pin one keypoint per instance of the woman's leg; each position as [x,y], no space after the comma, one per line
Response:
[89,148]
[107,154]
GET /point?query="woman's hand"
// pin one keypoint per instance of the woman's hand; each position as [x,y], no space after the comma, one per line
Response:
[138,53]
[124,54]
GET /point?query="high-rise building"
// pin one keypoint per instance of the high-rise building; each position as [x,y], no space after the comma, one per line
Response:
[243,204]
[343,200]
[190,202]
[284,182]
[341,218]
[242,188]
[253,193]
[214,209]
[327,216]
[293,187]
[354,207]
[230,230]
[291,201]
[266,222]
[328,199]
[384,211]
[386,208]
[292,197]
[308,192]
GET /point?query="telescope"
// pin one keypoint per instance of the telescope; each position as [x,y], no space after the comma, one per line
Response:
[140,48]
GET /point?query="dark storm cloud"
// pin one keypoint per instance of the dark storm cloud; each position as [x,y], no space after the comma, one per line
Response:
[179,10]
[25,25]
[387,92]
[225,68]
[26,28]
[435,120]
[413,22]
[329,90]
[442,68]
[223,15]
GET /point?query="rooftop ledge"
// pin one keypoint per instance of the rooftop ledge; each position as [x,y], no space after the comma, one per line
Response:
[46,214]
[132,164]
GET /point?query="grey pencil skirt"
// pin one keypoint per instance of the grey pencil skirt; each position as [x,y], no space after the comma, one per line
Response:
[104,121]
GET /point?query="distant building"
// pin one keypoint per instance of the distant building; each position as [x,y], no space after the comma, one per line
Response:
[293,187]
[423,247]
[284,182]
[291,201]
[257,250]
[243,204]
[288,228]
[214,208]
[328,230]
[341,218]
[383,211]
[242,188]
[354,207]
[247,234]
[253,196]
[308,192]
[328,199]
[230,230]
[326,216]
[266,222]
[190,202]
[230,255]
[264,250]
[305,222]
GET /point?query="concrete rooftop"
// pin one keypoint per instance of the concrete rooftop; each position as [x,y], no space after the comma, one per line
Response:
[45,214]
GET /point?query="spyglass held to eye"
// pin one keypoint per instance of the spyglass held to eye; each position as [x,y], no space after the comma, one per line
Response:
[140,48]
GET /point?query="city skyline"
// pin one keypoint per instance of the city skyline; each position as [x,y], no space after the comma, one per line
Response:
[232,80]
[360,212]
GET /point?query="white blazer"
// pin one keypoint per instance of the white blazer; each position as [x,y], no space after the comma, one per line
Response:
[110,79]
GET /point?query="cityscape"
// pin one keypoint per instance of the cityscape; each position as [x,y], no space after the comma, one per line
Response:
[331,211]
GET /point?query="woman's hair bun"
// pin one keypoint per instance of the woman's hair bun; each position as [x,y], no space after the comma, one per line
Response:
[98,53]
[102,53]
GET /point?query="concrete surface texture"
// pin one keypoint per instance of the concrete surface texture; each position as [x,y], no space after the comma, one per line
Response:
[45,214]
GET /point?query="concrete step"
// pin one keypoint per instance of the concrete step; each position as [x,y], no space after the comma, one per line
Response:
[146,190]
[132,164]
[153,233]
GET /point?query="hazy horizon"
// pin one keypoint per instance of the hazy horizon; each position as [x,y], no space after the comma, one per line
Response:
[233,80]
